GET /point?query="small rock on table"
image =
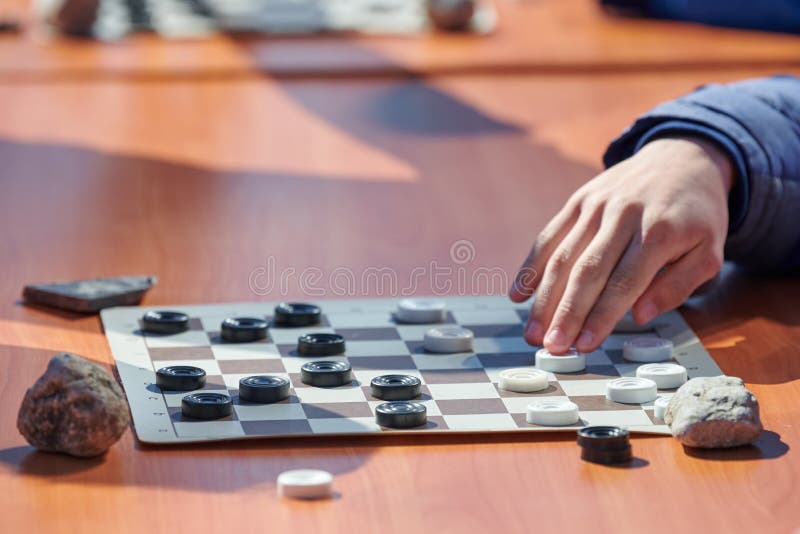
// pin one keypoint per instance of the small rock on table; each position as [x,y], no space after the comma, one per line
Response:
[714,412]
[75,407]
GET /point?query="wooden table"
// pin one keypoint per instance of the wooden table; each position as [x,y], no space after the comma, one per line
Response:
[200,179]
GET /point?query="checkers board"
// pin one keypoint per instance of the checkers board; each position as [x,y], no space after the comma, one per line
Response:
[459,390]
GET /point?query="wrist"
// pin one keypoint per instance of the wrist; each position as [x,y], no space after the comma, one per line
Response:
[696,148]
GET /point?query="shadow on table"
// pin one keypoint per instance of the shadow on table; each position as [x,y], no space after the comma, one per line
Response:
[769,446]
[722,319]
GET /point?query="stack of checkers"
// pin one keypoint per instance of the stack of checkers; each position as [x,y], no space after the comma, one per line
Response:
[604,444]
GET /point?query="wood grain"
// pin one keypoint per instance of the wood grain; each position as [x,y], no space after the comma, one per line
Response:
[200,181]
[534,36]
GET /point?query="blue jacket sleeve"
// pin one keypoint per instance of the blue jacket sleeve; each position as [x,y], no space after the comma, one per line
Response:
[768,15]
[757,122]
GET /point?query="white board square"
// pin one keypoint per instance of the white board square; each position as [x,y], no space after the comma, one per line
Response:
[463,391]
[394,347]
[249,351]
[190,338]
[626,418]
[487,316]
[269,412]
[500,344]
[466,360]
[360,320]
[354,425]
[209,429]
[485,422]
[312,395]
[577,388]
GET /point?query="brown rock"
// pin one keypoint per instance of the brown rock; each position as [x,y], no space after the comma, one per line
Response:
[75,407]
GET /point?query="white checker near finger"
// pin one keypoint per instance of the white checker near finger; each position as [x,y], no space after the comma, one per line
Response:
[647,350]
[631,390]
[552,412]
[305,484]
[421,311]
[665,375]
[571,361]
[523,380]
[660,407]
[448,339]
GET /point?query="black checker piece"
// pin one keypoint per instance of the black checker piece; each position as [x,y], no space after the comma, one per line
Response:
[243,329]
[206,406]
[396,387]
[294,314]
[263,389]
[604,444]
[401,414]
[320,344]
[326,374]
[165,322]
[180,378]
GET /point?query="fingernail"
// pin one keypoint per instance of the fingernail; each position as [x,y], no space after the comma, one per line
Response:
[585,339]
[556,337]
[534,330]
[649,311]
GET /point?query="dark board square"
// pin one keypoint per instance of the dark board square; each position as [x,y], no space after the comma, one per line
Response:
[177,416]
[471,406]
[416,347]
[180,353]
[216,339]
[495,330]
[323,322]
[553,389]
[510,359]
[522,422]
[287,349]
[454,376]
[523,315]
[276,428]
[615,355]
[368,334]
[424,393]
[592,372]
[381,362]
[655,420]
[214,383]
[266,366]
[593,403]
[337,410]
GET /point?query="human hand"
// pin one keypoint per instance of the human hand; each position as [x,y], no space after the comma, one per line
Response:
[644,235]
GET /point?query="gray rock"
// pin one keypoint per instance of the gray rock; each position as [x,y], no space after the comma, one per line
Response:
[714,412]
[89,296]
[75,407]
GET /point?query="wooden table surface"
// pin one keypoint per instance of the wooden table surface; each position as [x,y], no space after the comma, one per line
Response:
[533,36]
[201,179]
